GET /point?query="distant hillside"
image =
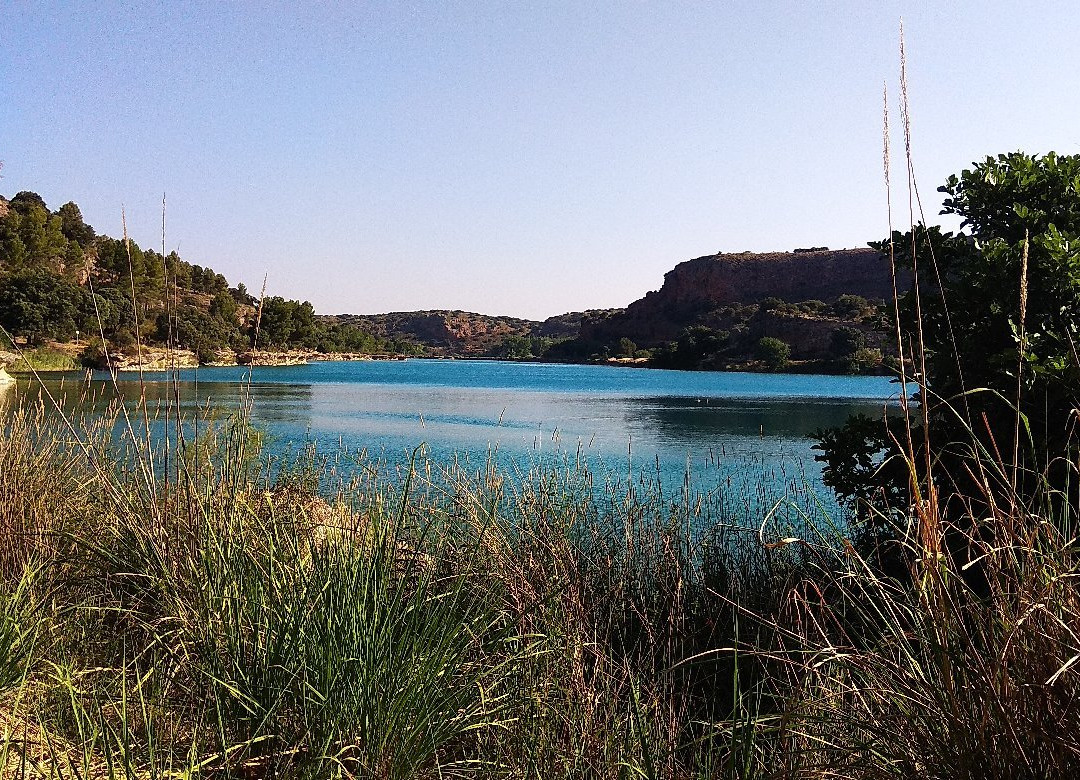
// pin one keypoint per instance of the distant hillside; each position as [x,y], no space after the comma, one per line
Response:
[819,307]
[96,297]
[469,334]
[564,326]
[448,332]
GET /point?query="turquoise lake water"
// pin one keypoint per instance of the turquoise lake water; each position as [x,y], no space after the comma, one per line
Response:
[710,431]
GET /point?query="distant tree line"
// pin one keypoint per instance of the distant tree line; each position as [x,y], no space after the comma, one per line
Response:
[528,347]
[60,280]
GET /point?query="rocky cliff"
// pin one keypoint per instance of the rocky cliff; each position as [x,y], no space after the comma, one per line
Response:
[696,287]
[452,332]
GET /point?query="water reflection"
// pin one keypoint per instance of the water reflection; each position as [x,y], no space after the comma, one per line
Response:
[701,419]
[716,432]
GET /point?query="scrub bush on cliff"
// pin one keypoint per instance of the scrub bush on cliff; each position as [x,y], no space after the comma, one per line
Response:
[697,347]
[774,352]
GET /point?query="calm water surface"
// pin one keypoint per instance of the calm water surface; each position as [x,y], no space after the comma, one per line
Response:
[712,430]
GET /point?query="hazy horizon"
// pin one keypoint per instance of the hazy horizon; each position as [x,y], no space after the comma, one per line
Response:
[510,161]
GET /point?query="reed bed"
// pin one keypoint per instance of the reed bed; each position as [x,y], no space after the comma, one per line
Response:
[304,619]
[249,620]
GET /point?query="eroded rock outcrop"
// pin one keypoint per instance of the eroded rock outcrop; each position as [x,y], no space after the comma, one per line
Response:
[694,288]
[455,332]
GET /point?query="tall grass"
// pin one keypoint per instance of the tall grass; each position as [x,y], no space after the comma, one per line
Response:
[958,674]
[44,358]
[304,619]
[282,621]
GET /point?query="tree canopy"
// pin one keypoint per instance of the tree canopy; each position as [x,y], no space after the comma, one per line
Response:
[1000,322]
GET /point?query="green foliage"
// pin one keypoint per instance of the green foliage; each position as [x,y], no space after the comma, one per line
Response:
[853,308]
[1003,201]
[206,280]
[846,341]
[866,360]
[113,314]
[572,350]
[987,314]
[18,631]
[223,307]
[340,337]
[73,226]
[848,347]
[45,359]
[285,322]
[729,336]
[515,347]
[40,305]
[349,646]
[860,464]
[775,353]
[194,329]
[240,294]
[810,308]
[31,237]
[1000,345]
[697,347]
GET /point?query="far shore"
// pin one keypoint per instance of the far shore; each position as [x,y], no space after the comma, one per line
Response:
[56,357]
[62,357]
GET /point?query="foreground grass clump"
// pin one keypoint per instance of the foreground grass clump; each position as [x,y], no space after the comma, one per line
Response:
[236,621]
[967,673]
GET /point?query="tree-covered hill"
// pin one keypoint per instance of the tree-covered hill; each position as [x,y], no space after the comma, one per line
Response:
[62,281]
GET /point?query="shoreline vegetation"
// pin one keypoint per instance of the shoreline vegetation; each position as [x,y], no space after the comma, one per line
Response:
[55,357]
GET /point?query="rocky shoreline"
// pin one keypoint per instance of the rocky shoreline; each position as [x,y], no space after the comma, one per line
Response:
[155,359]
[162,360]
[158,359]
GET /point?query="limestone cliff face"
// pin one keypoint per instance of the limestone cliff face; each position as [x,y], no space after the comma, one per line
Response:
[790,276]
[698,286]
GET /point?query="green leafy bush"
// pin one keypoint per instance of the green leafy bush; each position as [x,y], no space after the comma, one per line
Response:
[776,354]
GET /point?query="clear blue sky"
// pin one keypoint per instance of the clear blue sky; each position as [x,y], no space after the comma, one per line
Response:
[509,158]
